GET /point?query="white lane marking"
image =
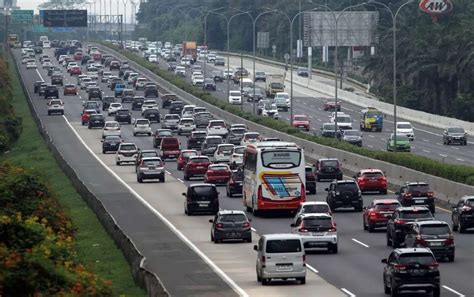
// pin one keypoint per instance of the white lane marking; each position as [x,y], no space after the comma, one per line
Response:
[180,180]
[439,143]
[167,172]
[320,120]
[454,291]
[319,108]
[455,148]
[360,242]
[313,106]
[444,156]
[425,140]
[253,229]
[371,146]
[460,160]
[311,116]
[312,268]
[427,151]
[175,230]
[372,136]
[348,292]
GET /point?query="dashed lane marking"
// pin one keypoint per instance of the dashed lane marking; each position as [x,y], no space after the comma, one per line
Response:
[360,242]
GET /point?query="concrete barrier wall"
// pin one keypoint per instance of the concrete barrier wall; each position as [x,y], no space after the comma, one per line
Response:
[412,115]
[142,277]
[445,190]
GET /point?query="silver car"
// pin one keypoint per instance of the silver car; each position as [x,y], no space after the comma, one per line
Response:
[151,168]
[171,121]
[317,230]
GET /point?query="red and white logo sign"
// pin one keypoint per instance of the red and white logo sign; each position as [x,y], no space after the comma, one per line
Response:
[436,7]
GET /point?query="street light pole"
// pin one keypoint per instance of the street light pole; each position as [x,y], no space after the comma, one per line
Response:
[205,34]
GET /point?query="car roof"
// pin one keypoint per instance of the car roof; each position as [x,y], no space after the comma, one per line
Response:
[329,159]
[416,183]
[198,157]
[345,181]
[219,165]
[213,136]
[151,159]
[412,208]
[128,143]
[385,201]
[280,236]
[413,250]
[225,212]
[370,170]
[319,215]
[467,197]
[431,222]
[314,203]
[201,185]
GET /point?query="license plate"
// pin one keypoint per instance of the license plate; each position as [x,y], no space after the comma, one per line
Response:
[203,205]
[435,243]
[200,167]
[419,201]
[317,233]
[152,168]
[284,267]
[171,156]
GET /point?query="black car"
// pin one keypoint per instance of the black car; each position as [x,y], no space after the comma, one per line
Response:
[37,85]
[38,49]
[85,59]
[159,135]
[260,75]
[462,215]
[329,168]
[123,116]
[209,84]
[166,100]
[344,193]
[201,198]
[230,225]
[176,107]
[137,102]
[127,96]
[435,235]
[234,184]
[454,135]
[257,96]
[302,71]
[111,143]
[416,194]
[153,115]
[106,101]
[411,269]
[95,93]
[114,65]
[151,91]
[51,91]
[96,121]
[329,130]
[310,180]
[217,76]
[398,223]
[196,139]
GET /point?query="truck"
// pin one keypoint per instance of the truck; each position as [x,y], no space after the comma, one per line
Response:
[190,48]
[274,83]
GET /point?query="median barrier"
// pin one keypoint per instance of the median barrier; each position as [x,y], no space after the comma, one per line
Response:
[142,277]
[445,190]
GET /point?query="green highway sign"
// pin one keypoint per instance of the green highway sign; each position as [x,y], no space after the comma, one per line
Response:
[40,29]
[22,16]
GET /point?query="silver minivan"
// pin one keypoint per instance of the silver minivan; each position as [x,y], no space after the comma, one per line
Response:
[280,256]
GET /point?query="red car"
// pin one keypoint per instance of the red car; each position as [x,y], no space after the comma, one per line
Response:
[76,70]
[217,174]
[378,213]
[70,89]
[301,122]
[196,166]
[372,180]
[184,157]
[78,56]
[86,116]
[330,104]
[97,56]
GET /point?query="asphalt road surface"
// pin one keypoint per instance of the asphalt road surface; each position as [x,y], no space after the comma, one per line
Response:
[355,271]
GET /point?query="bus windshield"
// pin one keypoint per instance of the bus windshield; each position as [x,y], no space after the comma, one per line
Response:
[281,159]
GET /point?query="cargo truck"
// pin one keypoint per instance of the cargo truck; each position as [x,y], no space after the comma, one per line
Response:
[190,48]
[274,83]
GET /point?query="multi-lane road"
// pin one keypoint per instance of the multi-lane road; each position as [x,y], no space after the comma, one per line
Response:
[355,271]
[428,142]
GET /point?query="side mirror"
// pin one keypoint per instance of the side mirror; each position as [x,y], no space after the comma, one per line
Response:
[83,103]
[384,261]
[397,193]
[326,189]
[354,176]
[292,225]
[211,221]
[250,220]
[101,140]
[184,194]
[255,248]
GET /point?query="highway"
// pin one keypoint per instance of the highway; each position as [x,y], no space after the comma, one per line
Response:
[428,142]
[355,271]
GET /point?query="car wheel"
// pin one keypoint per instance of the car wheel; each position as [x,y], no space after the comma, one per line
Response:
[162,179]
[386,289]
[388,240]
[334,249]
[371,228]
[265,281]
[462,229]
[358,208]
[249,240]
[139,179]
[104,151]
[259,279]
[394,291]
[455,227]
[117,163]
[451,258]
[302,280]
[384,192]
[364,225]
[186,177]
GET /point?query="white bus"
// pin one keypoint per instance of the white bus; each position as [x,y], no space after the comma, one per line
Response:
[274,176]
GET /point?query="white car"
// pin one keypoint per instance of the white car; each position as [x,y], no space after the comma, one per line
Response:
[406,128]
[111,128]
[229,74]
[250,137]
[311,207]
[170,121]
[344,121]
[217,128]
[131,77]
[198,80]
[211,58]
[142,126]
[93,73]
[317,230]
[180,71]
[127,152]
[153,58]
[47,64]
[105,76]
[149,104]
[286,96]
[55,106]
[186,125]
[140,83]
[235,97]
[31,65]
[223,153]
[70,65]
[113,108]
[83,82]
[237,157]
[188,110]
[270,110]
[61,58]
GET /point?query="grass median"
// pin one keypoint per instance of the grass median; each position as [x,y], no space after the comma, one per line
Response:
[95,249]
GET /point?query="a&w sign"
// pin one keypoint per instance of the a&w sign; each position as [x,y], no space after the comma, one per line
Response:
[436,7]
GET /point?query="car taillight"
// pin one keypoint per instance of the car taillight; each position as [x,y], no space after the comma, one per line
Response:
[400,267]
[449,241]
[246,225]
[466,208]
[407,195]
[304,260]
[263,261]
[399,222]
[219,226]
[373,214]
[420,241]
[259,192]
[429,194]
[361,180]
[333,227]
[433,265]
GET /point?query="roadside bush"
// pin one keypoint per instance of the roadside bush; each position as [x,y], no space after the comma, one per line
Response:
[10,125]
[37,249]
[457,173]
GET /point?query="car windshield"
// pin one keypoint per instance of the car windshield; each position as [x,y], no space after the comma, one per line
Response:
[123,112]
[217,124]
[387,206]
[112,138]
[235,94]
[112,125]
[315,208]
[352,186]
[419,258]
[435,229]
[317,222]
[128,147]
[226,148]
[200,160]
[252,136]
[352,133]
[172,117]
[116,105]
[198,135]
[187,121]
[403,126]
[413,215]
[456,130]
[276,85]
[331,127]
[401,137]
[419,188]
[143,122]
[239,150]
[343,119]
[373,114]
[218,168]
[301,118]
[470,202]
[281,159]
[233,218]
[277,246]
[372,174]
[330,163]
[152,163]
[238,131]
[189,154]
[205,191]
[165,133]
[214,141]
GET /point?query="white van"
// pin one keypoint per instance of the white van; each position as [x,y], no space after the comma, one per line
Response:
[46,44]
[247,83]
[280,256]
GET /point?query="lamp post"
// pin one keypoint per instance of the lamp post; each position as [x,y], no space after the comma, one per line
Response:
[205,34]
[125,16]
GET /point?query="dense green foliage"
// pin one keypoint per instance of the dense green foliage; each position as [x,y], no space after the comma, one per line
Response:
[10,124]
[458,173]
[435,60]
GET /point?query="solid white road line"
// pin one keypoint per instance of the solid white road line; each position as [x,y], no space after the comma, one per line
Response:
[454,291]
[444,156]
[460,160]
[312,268]
[180,180]
[360,242]
[348,292]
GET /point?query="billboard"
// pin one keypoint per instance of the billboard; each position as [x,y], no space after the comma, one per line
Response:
[354,28]
[22,16]
[65,18]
